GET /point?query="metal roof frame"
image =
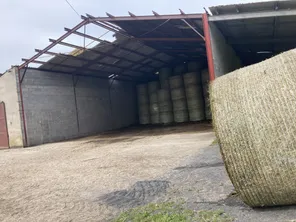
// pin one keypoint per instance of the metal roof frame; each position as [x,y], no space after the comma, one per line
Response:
[152,60]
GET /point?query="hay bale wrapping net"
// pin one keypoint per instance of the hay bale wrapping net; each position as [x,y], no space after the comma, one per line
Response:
[254,119]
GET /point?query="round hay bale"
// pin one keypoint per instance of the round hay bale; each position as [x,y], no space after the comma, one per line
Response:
[142,89]
[153,87]
[166,117]
[178,94]
[155,119]
[254,120]
[144,120]
[163,95]
[176,82]
[165,106]
[205,85]
[180,104]
[164,75]
[154,109]
[195,104]
[193,66]
[180,69]
[194,92]
[143,99]
[153,97]
[144,110]
[192,78]
[196,114]
[181,116]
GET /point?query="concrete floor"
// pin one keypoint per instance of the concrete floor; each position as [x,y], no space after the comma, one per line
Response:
[88,179]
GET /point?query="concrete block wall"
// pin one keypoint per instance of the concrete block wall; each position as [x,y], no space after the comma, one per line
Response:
[59,107]
[9,95]
[225,58]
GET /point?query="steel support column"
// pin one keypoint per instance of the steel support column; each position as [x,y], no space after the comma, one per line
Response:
[207,34]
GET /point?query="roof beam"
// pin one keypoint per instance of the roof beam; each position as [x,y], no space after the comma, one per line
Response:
[34,61]
[131,14]
[155,13]
[130,38]
[81,24]
[109,15]
[172,39]
[182,12]
[148,17]
[252,15]
[110,43]
[197,32]
[121,78]
[113,44]
[91,50]
[54,64]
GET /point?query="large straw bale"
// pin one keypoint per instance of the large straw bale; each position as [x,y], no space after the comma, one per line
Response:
[254,111]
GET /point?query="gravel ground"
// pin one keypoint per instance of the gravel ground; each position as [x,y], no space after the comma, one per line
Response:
[92,179]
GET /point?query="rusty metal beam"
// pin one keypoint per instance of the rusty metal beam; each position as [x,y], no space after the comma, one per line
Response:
[81,24]
[131,14]
[95,61]
[34,61]
[148,17]
[109,15]
[110,43]
[172,39]
[183,50]
[210,58]
[75,67]
[129,37]
[91,50]
[182,12]
[155,13]
[121,78]
[194,29]
[116,46]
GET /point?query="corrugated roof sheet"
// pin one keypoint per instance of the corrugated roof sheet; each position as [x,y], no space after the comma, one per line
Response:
[252,7]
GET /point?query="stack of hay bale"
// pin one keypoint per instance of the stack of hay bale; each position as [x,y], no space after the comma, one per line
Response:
[178,99]
[195,101]
[193,66]
[143,104]
[205,85]
[165,106]
[164,75]
[164,97]
[180,69]
[253,115]
[153,87]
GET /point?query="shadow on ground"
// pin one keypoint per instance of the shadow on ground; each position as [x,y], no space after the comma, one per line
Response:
[140,193]
[202,183]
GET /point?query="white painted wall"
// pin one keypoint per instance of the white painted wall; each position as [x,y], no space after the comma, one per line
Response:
[8,94]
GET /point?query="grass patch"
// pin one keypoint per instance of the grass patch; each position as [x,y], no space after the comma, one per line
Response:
[215,142]
[170,212]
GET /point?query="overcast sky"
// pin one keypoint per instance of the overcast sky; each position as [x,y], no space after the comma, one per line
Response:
[27,24]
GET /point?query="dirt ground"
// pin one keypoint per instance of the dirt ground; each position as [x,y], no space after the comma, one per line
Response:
[91,179]
[94,178]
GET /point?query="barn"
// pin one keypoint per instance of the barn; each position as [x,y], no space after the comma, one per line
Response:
[155,71]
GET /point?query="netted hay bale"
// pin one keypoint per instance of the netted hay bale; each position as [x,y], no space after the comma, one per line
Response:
[254,118]
[205,85]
